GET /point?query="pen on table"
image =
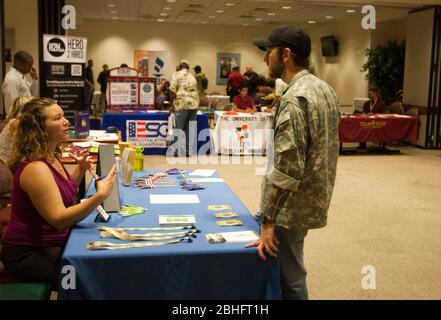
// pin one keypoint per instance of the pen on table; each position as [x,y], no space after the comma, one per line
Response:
[101,178]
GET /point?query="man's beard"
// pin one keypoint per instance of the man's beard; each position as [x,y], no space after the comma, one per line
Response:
[277,69]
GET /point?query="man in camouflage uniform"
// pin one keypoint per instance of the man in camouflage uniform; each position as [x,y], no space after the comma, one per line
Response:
[185,107]
[297,188]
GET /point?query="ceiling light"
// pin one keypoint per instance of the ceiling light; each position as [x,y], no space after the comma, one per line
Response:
[171,0]
[350,11]
[229,4]
[167,8]
[245,24]
[115,18]
[220,11]
[111,5]
[211,17]
[163,14]
[329,17]
[311,21]
[203,22]
[271,14]
[286,7]
[113,12]
[259,19]
[160,20]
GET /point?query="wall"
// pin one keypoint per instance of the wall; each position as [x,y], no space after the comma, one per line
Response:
[22,17]
[342,72]
[417,66]
[112,43]
[389,31]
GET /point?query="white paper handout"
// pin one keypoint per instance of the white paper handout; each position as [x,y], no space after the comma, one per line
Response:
[240,236]
[203,173]
[173,198]
[199,180]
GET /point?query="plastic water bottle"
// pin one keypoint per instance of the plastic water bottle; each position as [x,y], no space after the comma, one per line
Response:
[139,159]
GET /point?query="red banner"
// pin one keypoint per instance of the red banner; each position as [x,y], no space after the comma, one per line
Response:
[378,128]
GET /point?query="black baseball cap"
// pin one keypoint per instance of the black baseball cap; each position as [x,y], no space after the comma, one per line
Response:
[197,68]
[287,36]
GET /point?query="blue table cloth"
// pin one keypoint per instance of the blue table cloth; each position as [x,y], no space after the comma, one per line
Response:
[157,120]
[196,270]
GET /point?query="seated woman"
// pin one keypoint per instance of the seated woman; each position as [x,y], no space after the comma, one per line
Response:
[43,195]
[397,106]
[243,102]
[8,132]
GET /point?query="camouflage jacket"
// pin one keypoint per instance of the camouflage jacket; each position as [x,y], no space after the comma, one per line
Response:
[184,85]
[306,148]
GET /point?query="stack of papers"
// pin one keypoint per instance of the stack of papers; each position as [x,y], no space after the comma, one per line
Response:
[174,198]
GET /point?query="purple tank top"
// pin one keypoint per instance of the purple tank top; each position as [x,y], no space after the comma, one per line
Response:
[27,227]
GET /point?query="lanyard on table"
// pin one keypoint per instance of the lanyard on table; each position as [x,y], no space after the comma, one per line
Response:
[104,228]
[102,245]
[146,236]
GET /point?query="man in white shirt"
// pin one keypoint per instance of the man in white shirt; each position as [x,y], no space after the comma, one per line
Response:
[16,84]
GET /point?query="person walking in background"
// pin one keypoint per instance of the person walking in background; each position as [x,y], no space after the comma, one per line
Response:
[234,83]
[297,188]
[185,106]
[16,84]
[102,80]
[202,81]
[251,78]
[89,85]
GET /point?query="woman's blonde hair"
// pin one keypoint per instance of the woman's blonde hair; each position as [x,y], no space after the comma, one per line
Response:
[31,140]
[17,107]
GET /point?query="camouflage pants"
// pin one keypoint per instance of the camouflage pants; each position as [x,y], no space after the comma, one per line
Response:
[292,268]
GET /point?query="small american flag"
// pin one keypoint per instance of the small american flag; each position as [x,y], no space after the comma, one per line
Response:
[159,175]
[137,129]
[150,184]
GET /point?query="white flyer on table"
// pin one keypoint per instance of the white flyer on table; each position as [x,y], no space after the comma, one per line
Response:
[173,198]
[240,236]
[199,180]
[203,173]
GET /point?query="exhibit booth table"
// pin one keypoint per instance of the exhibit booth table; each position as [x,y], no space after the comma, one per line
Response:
[183,270]
[378,128]
[241,133]
[149,129]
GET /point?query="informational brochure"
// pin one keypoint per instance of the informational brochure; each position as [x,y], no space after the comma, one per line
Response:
[174,198]
[232,237]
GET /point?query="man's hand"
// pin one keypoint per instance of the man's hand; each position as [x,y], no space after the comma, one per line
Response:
[33,74]
[268,242]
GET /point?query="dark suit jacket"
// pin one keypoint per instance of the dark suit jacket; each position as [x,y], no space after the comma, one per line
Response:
[380,107]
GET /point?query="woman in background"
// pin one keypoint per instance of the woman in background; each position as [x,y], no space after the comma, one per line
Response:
[9,130]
